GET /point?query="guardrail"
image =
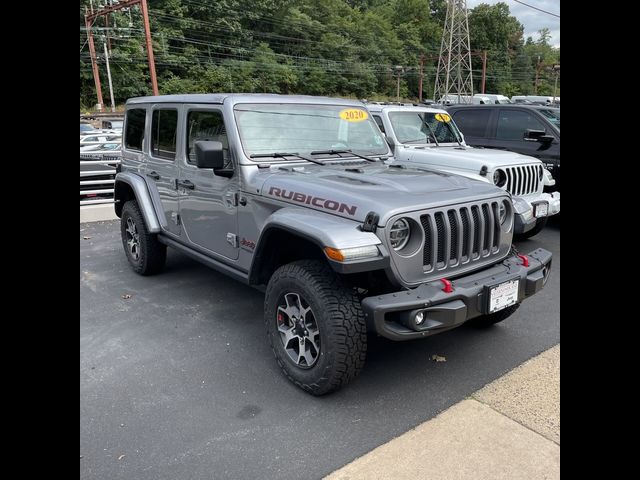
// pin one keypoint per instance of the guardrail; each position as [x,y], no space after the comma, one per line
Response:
[105,189]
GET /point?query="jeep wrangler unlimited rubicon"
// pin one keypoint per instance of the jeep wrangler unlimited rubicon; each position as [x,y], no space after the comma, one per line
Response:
[292,194]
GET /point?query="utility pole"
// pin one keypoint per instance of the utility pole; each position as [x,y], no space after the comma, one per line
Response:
[94,63]
[454,74]
[399,71]
[89,18]
[106,57]
[556,69]
[421,75]
[147,34]
[484,69]
[535,85]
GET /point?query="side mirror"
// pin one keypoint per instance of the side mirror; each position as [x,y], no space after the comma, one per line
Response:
[209,154]
[537,136]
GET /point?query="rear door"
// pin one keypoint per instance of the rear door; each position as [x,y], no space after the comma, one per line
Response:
[208,202]
[161,169]
[475,124]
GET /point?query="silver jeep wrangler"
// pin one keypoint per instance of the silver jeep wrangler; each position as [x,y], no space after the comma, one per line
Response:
[292,194]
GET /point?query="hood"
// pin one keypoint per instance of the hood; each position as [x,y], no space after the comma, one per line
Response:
[351,191]
[464,157]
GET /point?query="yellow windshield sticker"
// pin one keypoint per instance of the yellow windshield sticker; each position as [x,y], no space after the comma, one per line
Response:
[353,115]
[443,117]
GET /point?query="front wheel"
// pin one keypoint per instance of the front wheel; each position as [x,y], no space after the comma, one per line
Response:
[315,325]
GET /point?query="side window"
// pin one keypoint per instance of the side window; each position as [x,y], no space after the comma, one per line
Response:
[473,123]
[512,124]
[135,128]
[378,120]
[206,125]
[164,123]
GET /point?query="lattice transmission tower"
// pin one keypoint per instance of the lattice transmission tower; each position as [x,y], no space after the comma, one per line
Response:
[454,77]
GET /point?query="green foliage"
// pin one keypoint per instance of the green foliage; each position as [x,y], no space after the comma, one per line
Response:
[317,47]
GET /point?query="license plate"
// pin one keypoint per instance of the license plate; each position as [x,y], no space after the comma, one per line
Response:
[541,210]
[503,295]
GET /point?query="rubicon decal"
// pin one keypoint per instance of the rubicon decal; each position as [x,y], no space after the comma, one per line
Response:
[311,200]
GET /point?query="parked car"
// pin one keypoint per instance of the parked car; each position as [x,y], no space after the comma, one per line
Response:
[537,99]
[527,129]
[113,124]
[427,136]
[86,127]
[98,139]
[292,194]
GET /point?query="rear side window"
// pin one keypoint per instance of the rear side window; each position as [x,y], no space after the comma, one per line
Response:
[135,128]
[473,123]
[512,124]
[164,123]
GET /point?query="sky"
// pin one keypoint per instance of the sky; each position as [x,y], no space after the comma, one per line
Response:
[532,20]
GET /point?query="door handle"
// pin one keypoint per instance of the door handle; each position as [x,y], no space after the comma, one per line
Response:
[185,184]
[154,175]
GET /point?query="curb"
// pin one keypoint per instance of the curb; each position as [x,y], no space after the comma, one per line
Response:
[97,213]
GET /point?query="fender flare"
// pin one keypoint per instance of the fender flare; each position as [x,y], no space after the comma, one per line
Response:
[142,195]
[323,230]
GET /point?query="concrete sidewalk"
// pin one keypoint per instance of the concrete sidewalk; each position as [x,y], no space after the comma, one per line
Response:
[510,429]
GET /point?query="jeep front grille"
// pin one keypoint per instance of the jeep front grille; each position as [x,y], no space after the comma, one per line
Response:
[523,180]
[459,235]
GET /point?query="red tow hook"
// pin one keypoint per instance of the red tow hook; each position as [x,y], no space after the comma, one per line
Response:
[525,260]
[447,285]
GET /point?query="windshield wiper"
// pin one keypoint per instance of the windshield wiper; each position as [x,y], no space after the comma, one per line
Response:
[338,152]
[285,155]
[433,134]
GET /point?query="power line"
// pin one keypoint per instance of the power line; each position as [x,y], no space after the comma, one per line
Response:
[536,8]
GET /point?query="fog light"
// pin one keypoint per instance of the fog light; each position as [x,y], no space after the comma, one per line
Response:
[419,318]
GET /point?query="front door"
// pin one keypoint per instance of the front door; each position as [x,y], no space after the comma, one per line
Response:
[208,202]
[161,170]
[510,131]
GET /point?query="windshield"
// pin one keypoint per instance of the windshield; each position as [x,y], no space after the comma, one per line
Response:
[410,127]
[553,116]
[300,128]
[85,127]
[503,101]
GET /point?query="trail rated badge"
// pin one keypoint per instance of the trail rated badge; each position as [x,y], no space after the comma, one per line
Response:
[353,115]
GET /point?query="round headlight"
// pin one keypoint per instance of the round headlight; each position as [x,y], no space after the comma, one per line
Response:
[399,234]
[499,178]
[502,211]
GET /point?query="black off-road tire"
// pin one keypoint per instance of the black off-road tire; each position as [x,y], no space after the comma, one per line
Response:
[493,318]
[151,253]
[340,321]
[540,224]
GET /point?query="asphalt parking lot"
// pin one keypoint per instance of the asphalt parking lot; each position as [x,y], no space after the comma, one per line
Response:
[177,380]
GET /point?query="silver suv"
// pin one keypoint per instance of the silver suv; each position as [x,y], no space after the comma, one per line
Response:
[295,195]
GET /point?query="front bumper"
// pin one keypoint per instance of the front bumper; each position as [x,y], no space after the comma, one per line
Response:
[444,311]
[524,210]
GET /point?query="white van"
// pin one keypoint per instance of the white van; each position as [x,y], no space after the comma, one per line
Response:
[492,98]
[453,99]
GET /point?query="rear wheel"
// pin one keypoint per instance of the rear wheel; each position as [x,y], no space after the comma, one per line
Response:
[315,325]
[145,253]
